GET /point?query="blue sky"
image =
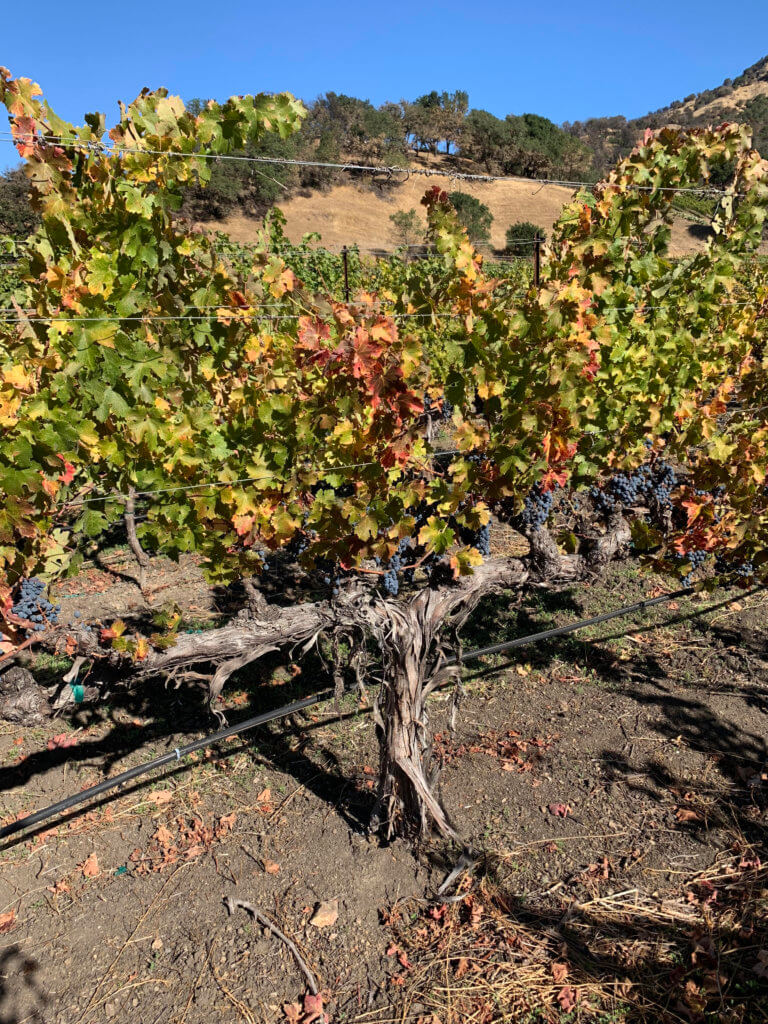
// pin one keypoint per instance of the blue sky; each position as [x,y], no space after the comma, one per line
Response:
[562,60]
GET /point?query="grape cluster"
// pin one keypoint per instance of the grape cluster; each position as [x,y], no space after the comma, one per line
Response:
[479,539]
[331,573]
[482,540]
[696,560]
[742,570]
[32,605]
[391,581]
[536,508]
[443,407]
[651,483]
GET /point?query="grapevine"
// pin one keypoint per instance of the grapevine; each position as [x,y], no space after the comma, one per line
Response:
[279,421]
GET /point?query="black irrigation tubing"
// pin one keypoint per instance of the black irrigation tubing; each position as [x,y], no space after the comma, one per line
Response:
[173,756]
[176,755]
[546,634]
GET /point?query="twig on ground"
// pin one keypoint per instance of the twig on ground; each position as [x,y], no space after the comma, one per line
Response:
[231,903]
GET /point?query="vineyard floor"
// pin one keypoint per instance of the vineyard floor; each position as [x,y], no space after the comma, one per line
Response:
[614,783]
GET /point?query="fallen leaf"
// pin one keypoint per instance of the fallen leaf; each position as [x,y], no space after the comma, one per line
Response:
[225,825]
[567,997]
[293,1012]
[61,741]
[461,967]
[686,814]
[160,797]
[271,867]
[90,866]
[163,836]
[326,914]
[559,810]
[313,1008]
[61,886]
[559,973]
[264,796]
[476,915]
[7,921]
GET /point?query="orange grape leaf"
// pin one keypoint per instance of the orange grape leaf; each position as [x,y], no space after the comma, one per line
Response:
[69,471]
[7,921]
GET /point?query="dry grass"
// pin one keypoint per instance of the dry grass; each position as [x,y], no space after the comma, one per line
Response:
[694,954]
[352,215]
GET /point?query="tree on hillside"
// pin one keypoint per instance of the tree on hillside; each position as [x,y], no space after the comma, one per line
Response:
[474,216]
[367,133]
[528,145]
[436,118]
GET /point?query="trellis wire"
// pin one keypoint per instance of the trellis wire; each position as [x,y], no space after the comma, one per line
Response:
[389,170]
[252,316]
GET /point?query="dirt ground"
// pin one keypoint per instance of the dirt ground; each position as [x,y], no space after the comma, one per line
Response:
[613,785]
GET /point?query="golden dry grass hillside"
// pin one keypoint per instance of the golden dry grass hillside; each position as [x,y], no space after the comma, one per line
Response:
[357,214]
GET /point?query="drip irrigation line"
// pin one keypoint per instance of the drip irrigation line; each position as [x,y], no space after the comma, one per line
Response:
[390,170]
[546,634]
[289,709]
[173,756]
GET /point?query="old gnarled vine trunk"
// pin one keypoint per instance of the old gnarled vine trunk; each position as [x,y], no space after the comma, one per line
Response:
[416,637]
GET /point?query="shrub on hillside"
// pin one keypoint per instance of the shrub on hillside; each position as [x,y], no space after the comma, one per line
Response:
[473,215]
[523,231]
[407,227]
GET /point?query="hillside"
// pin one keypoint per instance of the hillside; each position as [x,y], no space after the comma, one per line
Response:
[353,214]
[436,131]
[740,99]
[359,214]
